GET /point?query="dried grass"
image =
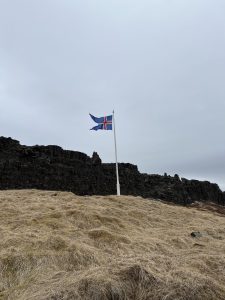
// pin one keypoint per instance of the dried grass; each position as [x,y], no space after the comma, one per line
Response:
[55,245]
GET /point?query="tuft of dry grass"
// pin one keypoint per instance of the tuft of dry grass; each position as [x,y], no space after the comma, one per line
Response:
[55,246]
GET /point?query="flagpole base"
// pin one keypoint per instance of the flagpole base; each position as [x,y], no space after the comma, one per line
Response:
[118,189]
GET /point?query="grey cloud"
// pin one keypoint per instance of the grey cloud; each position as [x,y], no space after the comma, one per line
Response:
[160,64]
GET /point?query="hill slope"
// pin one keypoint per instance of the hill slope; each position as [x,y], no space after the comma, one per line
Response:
[55,245]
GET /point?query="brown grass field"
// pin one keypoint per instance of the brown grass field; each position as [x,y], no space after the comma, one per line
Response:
[55,245]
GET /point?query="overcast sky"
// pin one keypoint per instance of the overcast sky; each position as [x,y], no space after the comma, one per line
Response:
[159,63]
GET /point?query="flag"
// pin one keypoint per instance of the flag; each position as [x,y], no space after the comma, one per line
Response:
[104,123]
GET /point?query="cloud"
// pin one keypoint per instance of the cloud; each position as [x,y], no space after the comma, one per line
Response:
[159,64]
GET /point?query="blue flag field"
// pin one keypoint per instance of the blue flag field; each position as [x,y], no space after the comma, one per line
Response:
[104,123]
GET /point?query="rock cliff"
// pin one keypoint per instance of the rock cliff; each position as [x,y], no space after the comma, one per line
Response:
[52,168]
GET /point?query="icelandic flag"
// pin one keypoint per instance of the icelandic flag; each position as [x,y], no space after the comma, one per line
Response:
[104,123]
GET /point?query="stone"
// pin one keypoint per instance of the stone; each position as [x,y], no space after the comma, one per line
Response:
[52,168]
[196,234]
[176,177]
[96,160]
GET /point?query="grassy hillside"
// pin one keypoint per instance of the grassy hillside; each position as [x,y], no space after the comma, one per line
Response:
[55,245]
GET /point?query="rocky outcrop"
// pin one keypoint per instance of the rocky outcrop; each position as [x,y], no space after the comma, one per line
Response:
[52,168]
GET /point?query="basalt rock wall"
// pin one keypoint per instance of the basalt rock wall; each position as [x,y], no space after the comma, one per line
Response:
[52,168]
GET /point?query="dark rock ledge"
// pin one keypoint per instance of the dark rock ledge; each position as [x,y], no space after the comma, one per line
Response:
[52,168]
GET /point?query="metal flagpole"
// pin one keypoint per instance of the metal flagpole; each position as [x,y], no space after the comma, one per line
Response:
[117,170]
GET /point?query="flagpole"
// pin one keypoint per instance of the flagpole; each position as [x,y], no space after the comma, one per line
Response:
[117,169]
